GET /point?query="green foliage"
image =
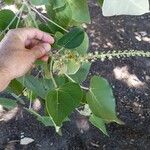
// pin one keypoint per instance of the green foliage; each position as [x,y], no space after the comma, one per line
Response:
[39,2]
[8,103]
[99,123]
[62,101]
[59,83]
[6,16]
[101,100]
[72,39]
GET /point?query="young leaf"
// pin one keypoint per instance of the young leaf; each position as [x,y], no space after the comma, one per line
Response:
[8,103]
[99,123]
[62,101]
[80,10]
[125,7]
[101,100]
[72,39]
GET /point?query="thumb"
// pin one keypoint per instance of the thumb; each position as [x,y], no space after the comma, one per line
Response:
[40,50]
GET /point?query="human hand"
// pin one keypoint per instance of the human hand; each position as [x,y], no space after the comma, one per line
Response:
[20,48]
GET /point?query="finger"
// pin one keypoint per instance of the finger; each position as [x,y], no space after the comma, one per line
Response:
[40,50]
[44,58]
[33,33]
[31,43]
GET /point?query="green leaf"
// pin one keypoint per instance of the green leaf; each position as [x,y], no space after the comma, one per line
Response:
[82,73]
[58,3]
[58,35]
[62,16]
[125,7]
[45,27]
[6,16]
[82,49]
[40,86]
[39,2]
[101,100]
[9,1]
[34,84]
[62,101]
[80,11]
[15,87]
[72,39]
[8,103]
[72,66]
[46,120]
[100,2]
[99,123]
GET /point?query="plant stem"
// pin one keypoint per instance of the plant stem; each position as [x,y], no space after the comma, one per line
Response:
[41,15]
[60,50]
[85,88]
[30,13]
[21,10]
[51,73]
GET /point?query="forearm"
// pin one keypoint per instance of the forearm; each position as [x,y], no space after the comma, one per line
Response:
[4,80]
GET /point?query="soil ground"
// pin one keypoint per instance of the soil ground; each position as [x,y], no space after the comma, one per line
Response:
[129,77]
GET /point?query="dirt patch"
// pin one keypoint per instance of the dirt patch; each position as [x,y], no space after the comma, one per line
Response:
[130,80]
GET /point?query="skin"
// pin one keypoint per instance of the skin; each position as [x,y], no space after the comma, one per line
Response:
[19,50]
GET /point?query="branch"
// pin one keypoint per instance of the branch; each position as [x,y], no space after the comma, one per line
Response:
[44,17]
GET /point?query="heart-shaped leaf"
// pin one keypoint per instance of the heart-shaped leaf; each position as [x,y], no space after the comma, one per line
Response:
[62,101]
[101,100]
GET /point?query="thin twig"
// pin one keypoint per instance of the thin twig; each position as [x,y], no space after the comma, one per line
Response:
[30,13]
[51,73]
[20,16]
[49,20]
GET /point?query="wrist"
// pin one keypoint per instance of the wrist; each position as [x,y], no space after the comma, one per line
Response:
[4,79]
